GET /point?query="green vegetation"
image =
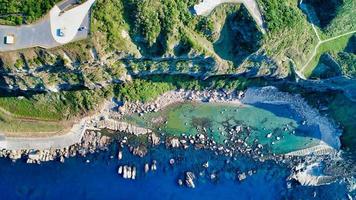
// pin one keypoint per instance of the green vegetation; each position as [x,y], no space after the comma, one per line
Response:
[347,62]
[151,87]
[334,17]
[54,106]
[109,28]
[236,42]
[152,24]
[289,32]
[280,14]
[152,18]
[18,12]
[47,114]
[19,127]
[141,90]
[344,21]
[332,47]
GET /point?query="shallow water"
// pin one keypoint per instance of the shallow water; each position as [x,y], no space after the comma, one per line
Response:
[76,179]
[217,119]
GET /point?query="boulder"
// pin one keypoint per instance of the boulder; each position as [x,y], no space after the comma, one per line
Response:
[189,179]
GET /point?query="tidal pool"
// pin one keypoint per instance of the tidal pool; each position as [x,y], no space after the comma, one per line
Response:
[277,127]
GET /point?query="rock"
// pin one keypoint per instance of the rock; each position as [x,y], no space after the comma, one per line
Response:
[171,161]
[61,159]
[124,172]
[154,165]
[128,172]
[269,135]
[238,129]
[119,155]
[212,176]
[242,176]
[133,173]
[154,139]
[189,179]
[104,141]
[201,137]
[206,164]
[119,171]
[140,151]
[147,168]
[180,182]
[289,185]
[174,143]
[122,126]
[240,95]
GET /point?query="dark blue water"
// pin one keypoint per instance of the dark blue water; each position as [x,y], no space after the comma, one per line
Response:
[76,179]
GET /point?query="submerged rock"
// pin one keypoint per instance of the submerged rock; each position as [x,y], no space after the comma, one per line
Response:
[206,164]
[140,151]
[146,168]
[189,179]
[180,182]
[242,176]
[154,165]
[119,155]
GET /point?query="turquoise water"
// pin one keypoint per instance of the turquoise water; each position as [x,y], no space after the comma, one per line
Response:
[216,120]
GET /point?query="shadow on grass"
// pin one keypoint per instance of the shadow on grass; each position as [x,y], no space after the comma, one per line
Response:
[351,45]
[239,37]
[327,67]
[323,11]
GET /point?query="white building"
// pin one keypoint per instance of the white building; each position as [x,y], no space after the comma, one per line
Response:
[9,39]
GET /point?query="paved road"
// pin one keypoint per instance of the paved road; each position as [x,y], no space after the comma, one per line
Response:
[41,33]
[57,142]
[207,6]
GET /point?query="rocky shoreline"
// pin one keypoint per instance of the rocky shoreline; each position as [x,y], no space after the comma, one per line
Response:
[110,118]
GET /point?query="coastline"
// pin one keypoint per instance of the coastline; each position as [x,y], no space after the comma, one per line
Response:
[329,133]
[110,117]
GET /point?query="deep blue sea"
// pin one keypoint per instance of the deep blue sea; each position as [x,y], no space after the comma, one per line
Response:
[77,179]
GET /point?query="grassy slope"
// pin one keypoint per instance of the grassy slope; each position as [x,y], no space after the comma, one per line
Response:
[333,47]
[14,126]
[344,21]
[290,34]
[47,112]
[109,28]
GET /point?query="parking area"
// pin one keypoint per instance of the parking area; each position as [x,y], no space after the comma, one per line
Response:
[45,33]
